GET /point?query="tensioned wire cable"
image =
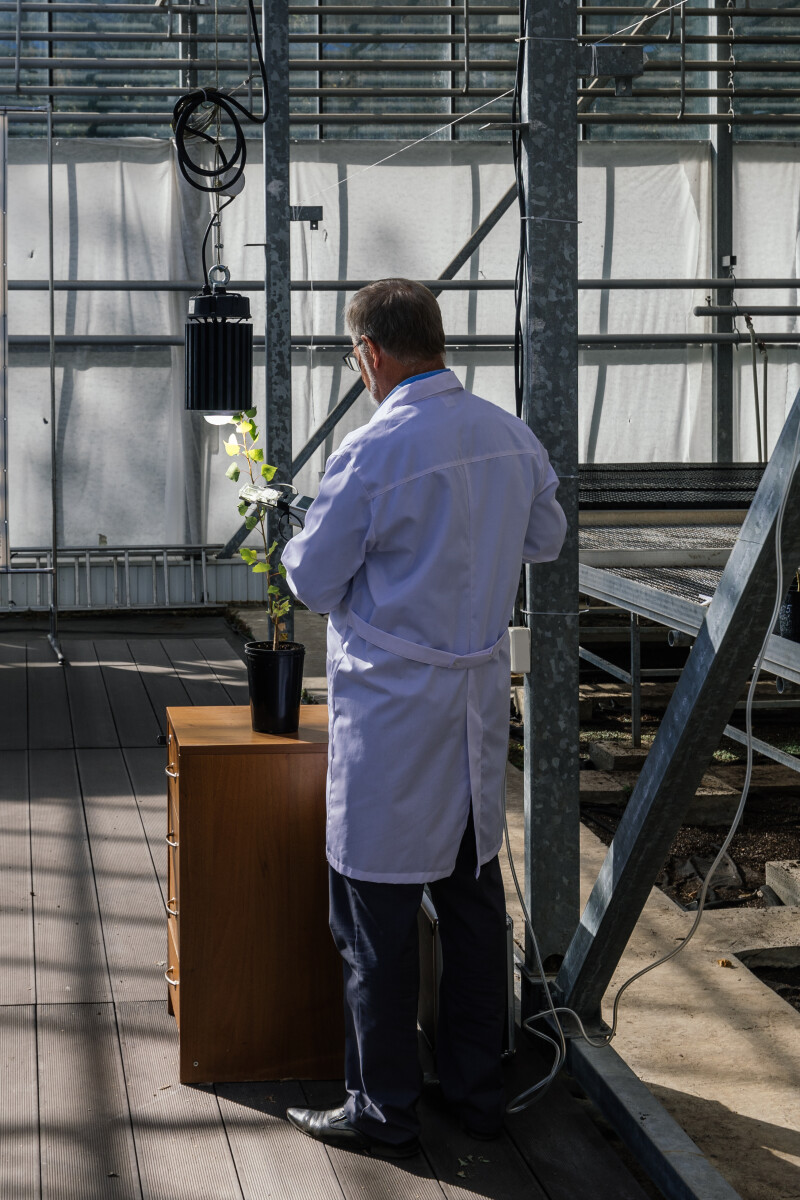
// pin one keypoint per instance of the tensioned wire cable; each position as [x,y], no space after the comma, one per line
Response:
[532,1094]
[409,146]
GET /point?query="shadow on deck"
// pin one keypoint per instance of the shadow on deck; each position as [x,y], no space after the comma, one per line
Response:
[91,1104]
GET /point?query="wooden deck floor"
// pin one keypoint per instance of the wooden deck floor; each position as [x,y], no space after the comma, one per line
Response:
[90,1104]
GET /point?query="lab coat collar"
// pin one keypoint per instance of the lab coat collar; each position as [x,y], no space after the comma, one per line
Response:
[417,389]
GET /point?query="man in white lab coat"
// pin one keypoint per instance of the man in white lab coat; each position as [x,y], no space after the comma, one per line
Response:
[414,546]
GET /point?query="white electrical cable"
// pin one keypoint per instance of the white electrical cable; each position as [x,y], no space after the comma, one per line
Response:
[536,1092]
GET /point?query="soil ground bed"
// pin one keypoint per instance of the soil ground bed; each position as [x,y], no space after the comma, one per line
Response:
[769,830]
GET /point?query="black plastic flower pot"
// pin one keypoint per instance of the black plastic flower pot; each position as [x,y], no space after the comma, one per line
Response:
[275,678]
[789,617]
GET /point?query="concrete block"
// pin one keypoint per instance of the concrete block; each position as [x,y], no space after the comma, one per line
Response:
[784,878]
[768,778]
[617,756]
[715,802]
[596,787]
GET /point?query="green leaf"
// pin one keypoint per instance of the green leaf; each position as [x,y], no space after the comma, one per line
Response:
[232,446]
[268,472]
[244,427]
[256,454]
[282,570]
[249,556]
[251,522]
[260,569]
[250,412]
[274,590]
[233,472]
[272,549]
[243,507]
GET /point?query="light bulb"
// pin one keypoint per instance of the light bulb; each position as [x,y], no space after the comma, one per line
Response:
[218,418]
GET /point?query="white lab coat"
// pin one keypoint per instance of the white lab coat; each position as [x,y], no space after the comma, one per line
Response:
[414,546]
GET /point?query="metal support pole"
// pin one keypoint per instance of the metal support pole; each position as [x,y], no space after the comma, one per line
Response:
[187,49]
[5,548]
[720,662]
[636,681]
[550,407]
[722,246]
[277,328]
[53,634]
[18,48]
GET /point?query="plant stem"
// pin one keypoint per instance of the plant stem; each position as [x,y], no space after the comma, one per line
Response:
[276,627]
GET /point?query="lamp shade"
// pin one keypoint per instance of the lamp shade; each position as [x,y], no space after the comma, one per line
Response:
[219,353]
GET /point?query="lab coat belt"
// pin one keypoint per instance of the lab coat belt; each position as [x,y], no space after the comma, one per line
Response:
[459,662]
[423,654]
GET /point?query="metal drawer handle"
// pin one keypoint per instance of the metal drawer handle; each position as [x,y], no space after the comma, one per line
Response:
[171,982]
[173,912]
[170,843]
[172,774]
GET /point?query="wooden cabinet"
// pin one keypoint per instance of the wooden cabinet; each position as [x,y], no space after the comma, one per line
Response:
[254,980]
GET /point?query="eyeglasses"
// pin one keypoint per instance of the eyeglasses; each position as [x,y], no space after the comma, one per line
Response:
[350,359]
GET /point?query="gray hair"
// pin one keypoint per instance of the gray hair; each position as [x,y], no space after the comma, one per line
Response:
[402,316]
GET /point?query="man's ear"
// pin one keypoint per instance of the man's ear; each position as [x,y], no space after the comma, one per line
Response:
[374,350]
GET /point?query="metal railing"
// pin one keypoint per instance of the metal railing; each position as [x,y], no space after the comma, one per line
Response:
[124,577]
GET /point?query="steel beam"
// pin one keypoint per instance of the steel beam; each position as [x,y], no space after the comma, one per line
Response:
[663,1149]
[53,635]
[550,407]
[752,310]
[717,668]
[353,285]
[277,326]
[335,10]
[722,245]
[245,285]
[5,551]
[486,341]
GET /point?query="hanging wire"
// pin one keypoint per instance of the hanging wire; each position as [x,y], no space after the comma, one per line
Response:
[753,345]
[197,110]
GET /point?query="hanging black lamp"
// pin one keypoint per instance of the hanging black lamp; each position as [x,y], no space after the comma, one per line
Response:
[219,352]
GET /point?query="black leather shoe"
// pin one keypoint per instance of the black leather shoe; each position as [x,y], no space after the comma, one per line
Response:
[483,1135]
[332,1127]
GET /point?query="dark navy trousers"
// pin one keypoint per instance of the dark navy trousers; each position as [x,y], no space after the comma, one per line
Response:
[374,926]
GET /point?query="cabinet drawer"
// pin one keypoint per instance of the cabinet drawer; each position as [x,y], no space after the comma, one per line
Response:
[173,886]
[173,970]
[173,897]
[173,807]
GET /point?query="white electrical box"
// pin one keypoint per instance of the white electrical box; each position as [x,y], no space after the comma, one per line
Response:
[520,650]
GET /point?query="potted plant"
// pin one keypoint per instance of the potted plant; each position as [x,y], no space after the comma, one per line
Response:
[275,667]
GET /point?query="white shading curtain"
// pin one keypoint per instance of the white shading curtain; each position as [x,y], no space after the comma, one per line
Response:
[645,212]
[136,469]
[766,229]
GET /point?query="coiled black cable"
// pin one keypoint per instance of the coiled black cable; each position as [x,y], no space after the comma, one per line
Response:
[218,177]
